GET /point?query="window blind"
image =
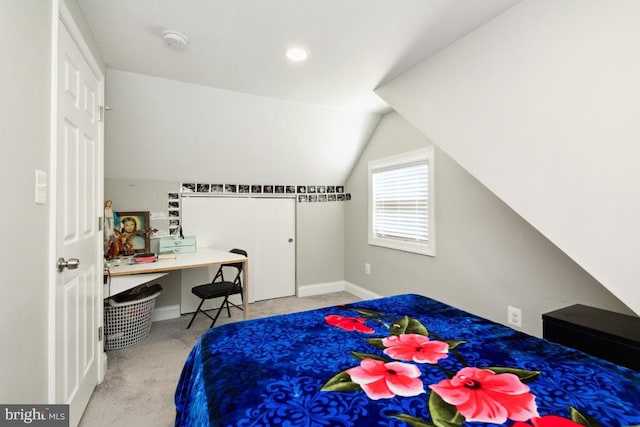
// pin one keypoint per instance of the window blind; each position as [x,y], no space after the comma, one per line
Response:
[401,202]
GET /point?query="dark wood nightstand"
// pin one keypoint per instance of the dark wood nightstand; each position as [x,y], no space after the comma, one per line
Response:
[611,336]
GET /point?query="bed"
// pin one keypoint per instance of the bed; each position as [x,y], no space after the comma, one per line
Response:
[405,360]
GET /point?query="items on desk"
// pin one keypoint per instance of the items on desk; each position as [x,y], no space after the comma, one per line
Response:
[133,232]
[110,222]
[144,257]
[176,246]
[113,248]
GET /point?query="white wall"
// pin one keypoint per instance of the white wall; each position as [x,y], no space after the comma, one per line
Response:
[319,232]
[25,128]
[320,243]
[172,131]
[141,195]
[540,105]
[488,257]
[24,108]
[163,132]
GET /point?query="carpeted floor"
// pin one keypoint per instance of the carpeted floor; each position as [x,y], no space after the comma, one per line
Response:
[141,379]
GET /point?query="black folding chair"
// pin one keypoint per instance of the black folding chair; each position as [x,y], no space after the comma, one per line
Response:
[220,288]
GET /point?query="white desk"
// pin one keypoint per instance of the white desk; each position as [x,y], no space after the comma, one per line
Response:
[124,283]
[203,257]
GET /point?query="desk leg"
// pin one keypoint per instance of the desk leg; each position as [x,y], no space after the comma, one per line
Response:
[245,279]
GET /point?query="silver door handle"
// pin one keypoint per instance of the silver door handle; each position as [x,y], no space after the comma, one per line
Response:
[72,264]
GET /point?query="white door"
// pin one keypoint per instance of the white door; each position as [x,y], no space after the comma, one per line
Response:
[220,223]
[78,304]
[263,227]
[275,233]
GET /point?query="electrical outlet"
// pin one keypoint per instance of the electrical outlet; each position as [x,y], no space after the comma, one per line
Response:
[367,268]
[514,316]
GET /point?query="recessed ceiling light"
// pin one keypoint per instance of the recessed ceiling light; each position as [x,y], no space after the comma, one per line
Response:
[297,54]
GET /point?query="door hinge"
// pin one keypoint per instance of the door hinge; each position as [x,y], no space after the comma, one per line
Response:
[99,333]
[99,223]
[101,111]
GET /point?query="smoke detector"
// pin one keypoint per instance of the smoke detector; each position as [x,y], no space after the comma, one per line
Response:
[175,39]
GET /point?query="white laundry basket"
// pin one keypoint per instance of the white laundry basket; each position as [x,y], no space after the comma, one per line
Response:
[127,323]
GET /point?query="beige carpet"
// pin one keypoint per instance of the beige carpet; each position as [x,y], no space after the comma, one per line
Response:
[141,379]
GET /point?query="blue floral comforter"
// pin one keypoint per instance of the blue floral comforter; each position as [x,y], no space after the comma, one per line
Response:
[405,360]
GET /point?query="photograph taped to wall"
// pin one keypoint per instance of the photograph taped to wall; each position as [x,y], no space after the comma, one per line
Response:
[203,188]
[188,188]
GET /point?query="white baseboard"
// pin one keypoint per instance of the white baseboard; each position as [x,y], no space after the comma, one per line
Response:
[325,288]
[320,288]
[361,292]
[166,313]
[105,365]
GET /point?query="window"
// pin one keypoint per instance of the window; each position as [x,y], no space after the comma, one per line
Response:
[401,202]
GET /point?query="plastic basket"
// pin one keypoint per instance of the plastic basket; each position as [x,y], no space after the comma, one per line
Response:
[127,323]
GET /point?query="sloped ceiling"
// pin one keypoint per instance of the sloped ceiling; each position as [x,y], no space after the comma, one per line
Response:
[238,46]
[540,105]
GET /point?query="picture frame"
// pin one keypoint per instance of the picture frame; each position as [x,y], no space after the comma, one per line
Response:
[135,229]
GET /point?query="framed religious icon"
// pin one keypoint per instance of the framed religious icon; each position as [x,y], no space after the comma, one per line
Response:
[133,231]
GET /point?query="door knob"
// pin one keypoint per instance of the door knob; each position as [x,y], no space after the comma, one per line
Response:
[72,264]
[290,240]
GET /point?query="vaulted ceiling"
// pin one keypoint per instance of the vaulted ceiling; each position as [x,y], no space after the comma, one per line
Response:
[353,46]
[239,45]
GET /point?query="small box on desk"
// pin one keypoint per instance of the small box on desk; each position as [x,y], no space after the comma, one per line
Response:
[169,245]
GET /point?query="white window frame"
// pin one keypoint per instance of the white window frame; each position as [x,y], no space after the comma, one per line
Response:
[406,159]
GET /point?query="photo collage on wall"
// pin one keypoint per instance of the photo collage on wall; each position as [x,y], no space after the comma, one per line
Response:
[302,193]
[174,213]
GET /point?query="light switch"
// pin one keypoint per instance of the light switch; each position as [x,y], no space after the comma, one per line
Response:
[41,187]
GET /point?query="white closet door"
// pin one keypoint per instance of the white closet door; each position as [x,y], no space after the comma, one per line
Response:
[275,248]
[262,227]
[220,223]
